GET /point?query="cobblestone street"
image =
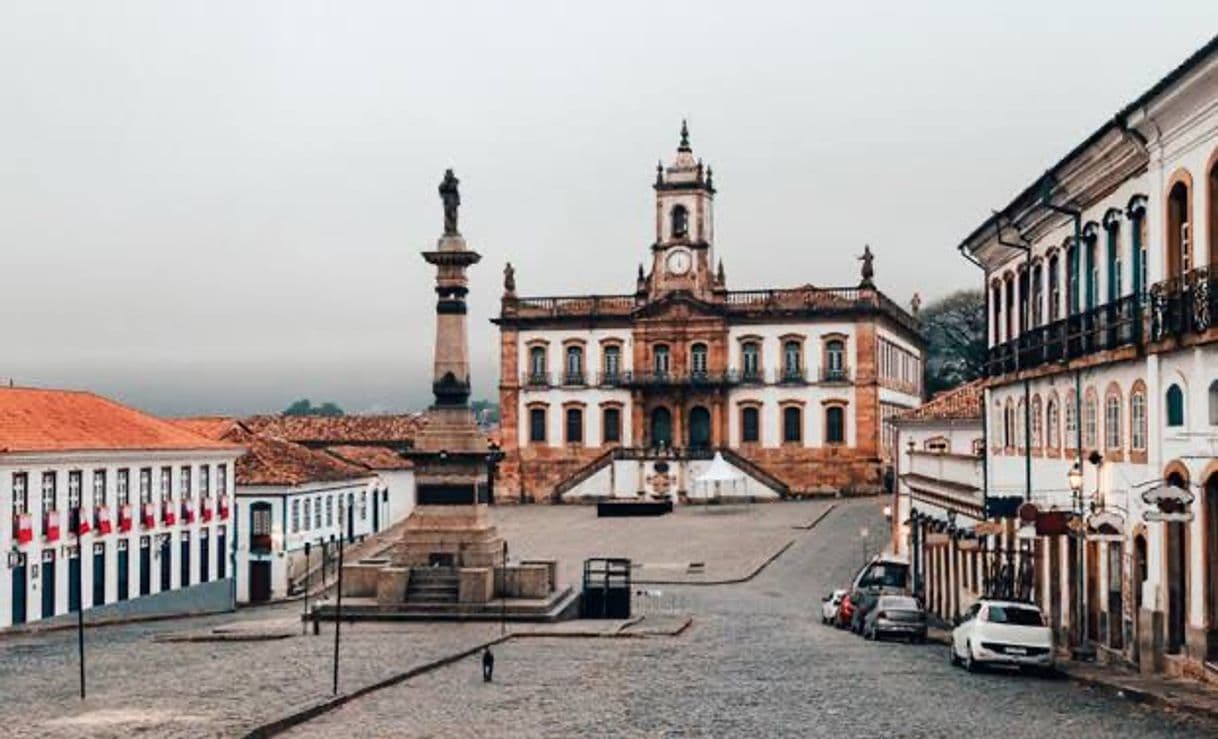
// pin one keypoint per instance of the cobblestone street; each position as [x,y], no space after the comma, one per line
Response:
[756,662]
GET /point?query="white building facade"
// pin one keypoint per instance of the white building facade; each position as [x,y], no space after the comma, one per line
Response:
[1101,311]
[156,507]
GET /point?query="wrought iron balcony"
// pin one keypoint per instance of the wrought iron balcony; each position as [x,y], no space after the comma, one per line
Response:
[574,378]
[1103,328]
[835,374]
[1184,305]
[685,379]
[536,379]
[792,375]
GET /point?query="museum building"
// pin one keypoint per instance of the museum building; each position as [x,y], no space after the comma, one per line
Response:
[632,394]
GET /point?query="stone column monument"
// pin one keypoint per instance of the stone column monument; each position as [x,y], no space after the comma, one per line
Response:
[450,526]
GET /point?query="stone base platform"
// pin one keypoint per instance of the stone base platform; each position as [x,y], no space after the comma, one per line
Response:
[561,605]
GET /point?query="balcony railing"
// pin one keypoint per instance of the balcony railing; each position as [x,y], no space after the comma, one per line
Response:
[685,379]
[536,379]
[792,375]
[835,374]
[1103,328]
[1184,305]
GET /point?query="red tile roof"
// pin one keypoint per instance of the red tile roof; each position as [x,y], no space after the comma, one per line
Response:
[213,427]
[43,420]
[959,403]
[386,429]
[372,457]
[272,461]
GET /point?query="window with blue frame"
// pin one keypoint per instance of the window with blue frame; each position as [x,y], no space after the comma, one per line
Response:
[1175,406]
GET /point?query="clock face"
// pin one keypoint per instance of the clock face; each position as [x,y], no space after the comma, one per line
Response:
[679,262]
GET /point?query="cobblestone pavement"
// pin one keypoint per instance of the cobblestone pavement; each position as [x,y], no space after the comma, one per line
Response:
[756,663]
[664,546]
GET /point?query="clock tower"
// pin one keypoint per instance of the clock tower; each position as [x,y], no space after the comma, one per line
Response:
[683,252]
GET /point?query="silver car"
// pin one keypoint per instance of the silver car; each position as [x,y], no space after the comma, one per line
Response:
[896,615]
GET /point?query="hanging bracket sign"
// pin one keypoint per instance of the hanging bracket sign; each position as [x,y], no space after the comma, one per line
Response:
[1169,503]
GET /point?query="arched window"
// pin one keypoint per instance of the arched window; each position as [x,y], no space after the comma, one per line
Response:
[697,359]
[996,303]
[792,364]
[1114,259]
[1038,294]
[835,425]
[1093,271]
[750,424]
[537,425]
[660,359]
[537,365]
[1112,421]
[575,425]
[1090,419]
[1213,403]
[613,362]
[1070,426]
[1037,424]
[1179,231]
[750,358]
[835,359]
[1137,420]
[1051,424]
[1175,406]
[680,221]
[1020,428]
[792,424]
[1055,288]
[1072,282]
[575,366]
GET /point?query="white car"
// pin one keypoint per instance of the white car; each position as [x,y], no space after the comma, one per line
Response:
[1003,632]
[829,605]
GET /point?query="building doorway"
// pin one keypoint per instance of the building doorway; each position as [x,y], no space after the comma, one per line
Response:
[260,581]
[1116,603]
[48,583]
[1177,576]
[19,589]
[1211,566]
[699,428]
[1093,591]
[661,427]
[1139,579]
[1055,586]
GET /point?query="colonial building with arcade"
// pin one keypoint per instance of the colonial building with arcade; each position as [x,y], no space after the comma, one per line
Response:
[632,394]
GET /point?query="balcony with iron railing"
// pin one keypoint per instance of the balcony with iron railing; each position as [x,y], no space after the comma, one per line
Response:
[839,374]
[1183,306]
[791,376]
[1103,328]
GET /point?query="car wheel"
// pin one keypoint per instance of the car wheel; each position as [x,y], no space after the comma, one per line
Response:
[970,664]
[868,634]
[953,658]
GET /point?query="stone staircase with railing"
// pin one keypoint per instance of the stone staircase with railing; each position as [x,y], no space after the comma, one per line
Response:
[431,585]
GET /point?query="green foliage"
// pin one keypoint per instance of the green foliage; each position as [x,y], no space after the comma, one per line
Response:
[303,407]
[953,328]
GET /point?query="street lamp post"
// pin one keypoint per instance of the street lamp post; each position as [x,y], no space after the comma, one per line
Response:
[1081,650]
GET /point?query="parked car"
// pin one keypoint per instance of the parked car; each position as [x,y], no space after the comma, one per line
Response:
[864,602]
[887,573]
[829,605]
[845,612]
[1002,632]
[896,615]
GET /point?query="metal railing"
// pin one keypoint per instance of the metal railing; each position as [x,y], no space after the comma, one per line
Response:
[1184,305]
[835,374]
[1102,328]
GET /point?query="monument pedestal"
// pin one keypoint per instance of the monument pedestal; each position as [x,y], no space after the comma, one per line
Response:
[449,536]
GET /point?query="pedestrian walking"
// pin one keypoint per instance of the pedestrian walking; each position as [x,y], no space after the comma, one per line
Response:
[488,665]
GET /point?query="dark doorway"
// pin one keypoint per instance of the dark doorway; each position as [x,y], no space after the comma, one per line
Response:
[376,511]
[661,427]
[204,556]
[1072,577]
[1177,576]
[184,561]
[1093,590]
[699,428]
[48,584]
[1055,585]
[19,589]
[1139,578]
[166,565]
[1211,562]
[260,582]
[145,566]
[99,573]
[350,517]
[1116,604]
[221,553]
[124,562]
[74,589]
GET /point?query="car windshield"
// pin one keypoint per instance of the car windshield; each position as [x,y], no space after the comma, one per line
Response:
[1014,615]
[885,575]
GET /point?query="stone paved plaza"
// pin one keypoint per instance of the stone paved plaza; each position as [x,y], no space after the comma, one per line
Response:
[755,662]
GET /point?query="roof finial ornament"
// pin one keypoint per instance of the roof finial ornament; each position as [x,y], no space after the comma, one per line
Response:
[915,304]
[710,173]
[719,276]
[684,137]
[659,172]
[868,271]
[509,279]
[699,169]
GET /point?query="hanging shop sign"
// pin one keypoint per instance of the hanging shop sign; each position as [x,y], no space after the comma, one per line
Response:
[968,545]
[937,540]
[1168,503]
[986,528]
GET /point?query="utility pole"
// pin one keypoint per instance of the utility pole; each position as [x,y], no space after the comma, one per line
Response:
[338,608]
[304,622]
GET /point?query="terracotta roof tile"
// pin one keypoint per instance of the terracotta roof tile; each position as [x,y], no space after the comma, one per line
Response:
[213,427]
[44,420]
[272,461]
[963,402]
[336,430]
[372,457]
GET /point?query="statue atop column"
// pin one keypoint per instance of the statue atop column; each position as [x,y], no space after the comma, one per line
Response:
[868,272]
[509,279]
[452,201]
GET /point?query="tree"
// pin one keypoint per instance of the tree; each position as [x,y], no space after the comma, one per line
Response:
[953,328]
[303,407]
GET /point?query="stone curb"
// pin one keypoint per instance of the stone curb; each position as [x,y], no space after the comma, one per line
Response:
[759,569]
[1112,685]
[280,725]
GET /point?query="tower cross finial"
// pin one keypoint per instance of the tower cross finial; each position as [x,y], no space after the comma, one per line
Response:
[684,137]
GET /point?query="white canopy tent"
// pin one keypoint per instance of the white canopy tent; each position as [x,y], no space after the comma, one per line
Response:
[718,481]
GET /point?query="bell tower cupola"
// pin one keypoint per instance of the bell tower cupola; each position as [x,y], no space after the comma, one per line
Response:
[685,234]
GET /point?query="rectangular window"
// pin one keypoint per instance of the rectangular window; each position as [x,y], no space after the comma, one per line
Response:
[307,509]
[363,506]
[204,481]
[575,426]
[122,487]
[317,513]
[537,425]
[221,479]
[184,483]
[74,484]
[1137,405]
[613,361]
[660,359]
[1090,422]
[835,425]
[612,431]
[48,492]
[295,516]
[750,425]
[21,495]
[329,510]
[792,424]
[99,488]
[1112,423]
[166,482]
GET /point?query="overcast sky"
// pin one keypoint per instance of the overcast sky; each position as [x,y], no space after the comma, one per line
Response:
[219,206]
